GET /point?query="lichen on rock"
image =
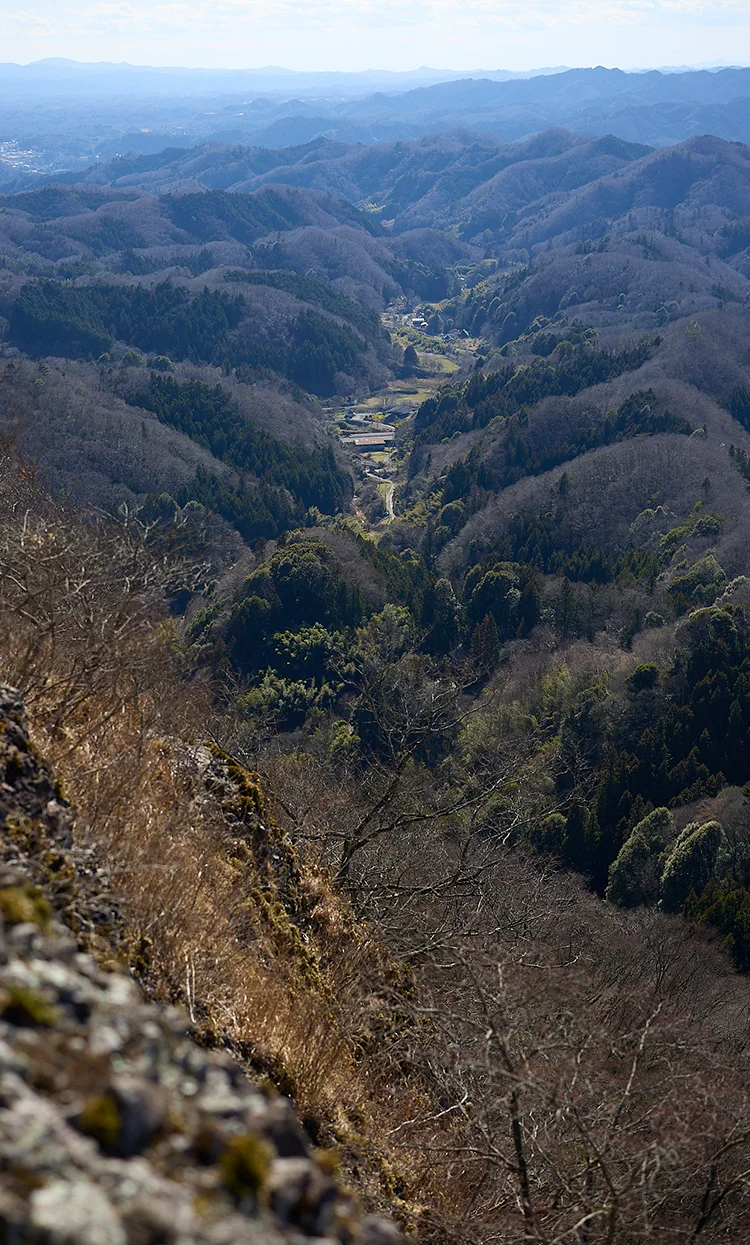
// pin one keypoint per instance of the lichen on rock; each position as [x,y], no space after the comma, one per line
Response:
[115,1127]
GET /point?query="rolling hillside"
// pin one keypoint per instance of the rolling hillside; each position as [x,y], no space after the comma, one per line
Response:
[464,870]
[62,116]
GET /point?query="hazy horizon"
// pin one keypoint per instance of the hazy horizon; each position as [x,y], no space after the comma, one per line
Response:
[355,35]
[268,67]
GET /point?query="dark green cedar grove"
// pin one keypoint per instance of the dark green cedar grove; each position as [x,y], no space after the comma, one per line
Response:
[208,416]
[52,318]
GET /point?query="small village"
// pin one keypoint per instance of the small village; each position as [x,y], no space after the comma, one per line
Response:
[370,428]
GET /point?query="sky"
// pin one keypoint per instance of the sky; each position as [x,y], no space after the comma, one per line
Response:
[379,34]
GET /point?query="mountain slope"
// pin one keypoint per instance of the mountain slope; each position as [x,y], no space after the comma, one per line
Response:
[485,914]
[53,129]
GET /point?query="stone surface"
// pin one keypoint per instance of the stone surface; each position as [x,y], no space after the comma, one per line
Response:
[115,1127]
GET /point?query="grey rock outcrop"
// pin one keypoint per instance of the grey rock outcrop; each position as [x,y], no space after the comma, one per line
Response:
[116,1128]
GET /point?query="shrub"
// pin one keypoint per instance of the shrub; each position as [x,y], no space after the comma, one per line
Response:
[700,585]
[653,619]
[690,864]
[644,676]
[634,876]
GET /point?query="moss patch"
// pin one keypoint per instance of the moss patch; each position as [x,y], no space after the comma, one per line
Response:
[19,904]
[100,1119]
[19,1006]
[244,1166]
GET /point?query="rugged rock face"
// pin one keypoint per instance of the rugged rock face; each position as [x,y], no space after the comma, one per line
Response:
[36,837]
[115,1127]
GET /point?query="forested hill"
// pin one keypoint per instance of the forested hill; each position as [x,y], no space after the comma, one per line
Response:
[358,172]
[543,191]
[273,267]
[70,118]
[477,689]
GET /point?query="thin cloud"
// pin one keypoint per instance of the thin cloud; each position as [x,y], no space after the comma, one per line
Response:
[349,34]
[280,14]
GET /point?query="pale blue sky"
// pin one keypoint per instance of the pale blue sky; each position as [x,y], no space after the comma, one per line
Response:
[383,34]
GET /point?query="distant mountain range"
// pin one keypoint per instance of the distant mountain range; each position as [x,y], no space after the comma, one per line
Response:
[101,78]
[555,187]
[57,115]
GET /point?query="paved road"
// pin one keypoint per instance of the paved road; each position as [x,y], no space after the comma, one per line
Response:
[389,491]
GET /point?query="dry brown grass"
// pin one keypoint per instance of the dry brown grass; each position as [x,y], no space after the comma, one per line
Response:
[565,1074]
[272,963]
